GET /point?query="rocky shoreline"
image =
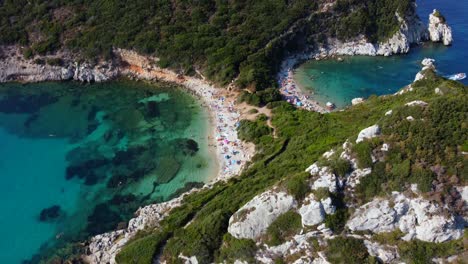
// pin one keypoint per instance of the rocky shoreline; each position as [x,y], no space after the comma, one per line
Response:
[412,32]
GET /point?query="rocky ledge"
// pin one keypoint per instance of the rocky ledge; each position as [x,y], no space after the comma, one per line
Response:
[58,67]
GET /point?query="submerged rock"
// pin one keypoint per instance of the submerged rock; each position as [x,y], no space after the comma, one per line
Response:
[252,219]
[50,213]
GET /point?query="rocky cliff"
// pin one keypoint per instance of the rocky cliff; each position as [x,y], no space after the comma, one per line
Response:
[438,29]
[57,67]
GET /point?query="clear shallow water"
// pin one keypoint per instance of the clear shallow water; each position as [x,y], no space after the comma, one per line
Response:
[98,152]
[361,76]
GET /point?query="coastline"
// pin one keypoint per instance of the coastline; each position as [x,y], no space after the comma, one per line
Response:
[291,91]
[232,153]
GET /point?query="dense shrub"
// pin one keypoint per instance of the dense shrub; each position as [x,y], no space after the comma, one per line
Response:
[344,250]
[253,130]
[363,152]
[285,225]
[237,249]
[298,185]
[141,250]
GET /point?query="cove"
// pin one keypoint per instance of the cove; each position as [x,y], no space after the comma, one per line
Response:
[78,160]
[361,76]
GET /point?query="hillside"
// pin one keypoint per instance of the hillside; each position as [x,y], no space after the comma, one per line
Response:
[227,40]
[345,207]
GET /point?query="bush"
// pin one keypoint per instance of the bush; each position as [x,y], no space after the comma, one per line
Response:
[339,166]
[285,225]
[363,152]
[298,186]
[421,252]
[141,250]
[253,130]
[344,250]
[237,249]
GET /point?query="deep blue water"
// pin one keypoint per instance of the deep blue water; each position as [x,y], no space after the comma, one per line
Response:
[361,76]
[125,141]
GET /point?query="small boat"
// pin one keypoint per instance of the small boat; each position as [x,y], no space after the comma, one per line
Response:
[457,77]
[330,105]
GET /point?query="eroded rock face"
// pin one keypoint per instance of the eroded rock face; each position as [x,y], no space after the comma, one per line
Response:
[14,67]
[369,132]
[416,217]
[439,31]
[252,219]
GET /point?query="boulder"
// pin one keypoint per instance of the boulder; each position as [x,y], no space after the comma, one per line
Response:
[439,31]
[312,212]
[252,219]
[369,132]
[357,101]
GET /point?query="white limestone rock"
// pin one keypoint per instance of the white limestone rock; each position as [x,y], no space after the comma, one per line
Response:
[389,112]
[328,206]
[439,31]
[326,179]
[252,219]
[357,101]
[312,213]
[376,216]
[417,103]
[370,132]
[386,254]
[416,217]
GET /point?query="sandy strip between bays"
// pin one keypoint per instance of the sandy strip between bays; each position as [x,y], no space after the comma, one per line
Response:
[291,91]
[231,152]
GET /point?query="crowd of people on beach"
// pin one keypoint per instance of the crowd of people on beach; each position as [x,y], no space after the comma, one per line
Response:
[291,92]
[232,152]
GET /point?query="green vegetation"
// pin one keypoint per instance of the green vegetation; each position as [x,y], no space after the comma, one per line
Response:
[370,18]
[253,131]
[284,226]
[298,185]
[302,138]
[141,250]
[343,250]
[362,151]
[420,252]
[237,249]
[260,98]
[226,39]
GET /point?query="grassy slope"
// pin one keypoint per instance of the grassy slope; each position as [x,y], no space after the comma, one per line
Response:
[302,138]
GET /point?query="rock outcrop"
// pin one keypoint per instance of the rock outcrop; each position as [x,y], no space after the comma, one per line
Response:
[370,132]
[14,67]
[313,212]
[252,219]
[416,217]
[438,29]
[104,248]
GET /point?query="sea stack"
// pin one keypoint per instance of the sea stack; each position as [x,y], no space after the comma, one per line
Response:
[439,31]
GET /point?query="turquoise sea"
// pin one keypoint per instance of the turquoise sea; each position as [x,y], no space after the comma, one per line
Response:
[77,160]
[361,76]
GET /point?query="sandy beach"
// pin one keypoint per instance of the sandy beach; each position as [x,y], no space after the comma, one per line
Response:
[232,153]
[291,91]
